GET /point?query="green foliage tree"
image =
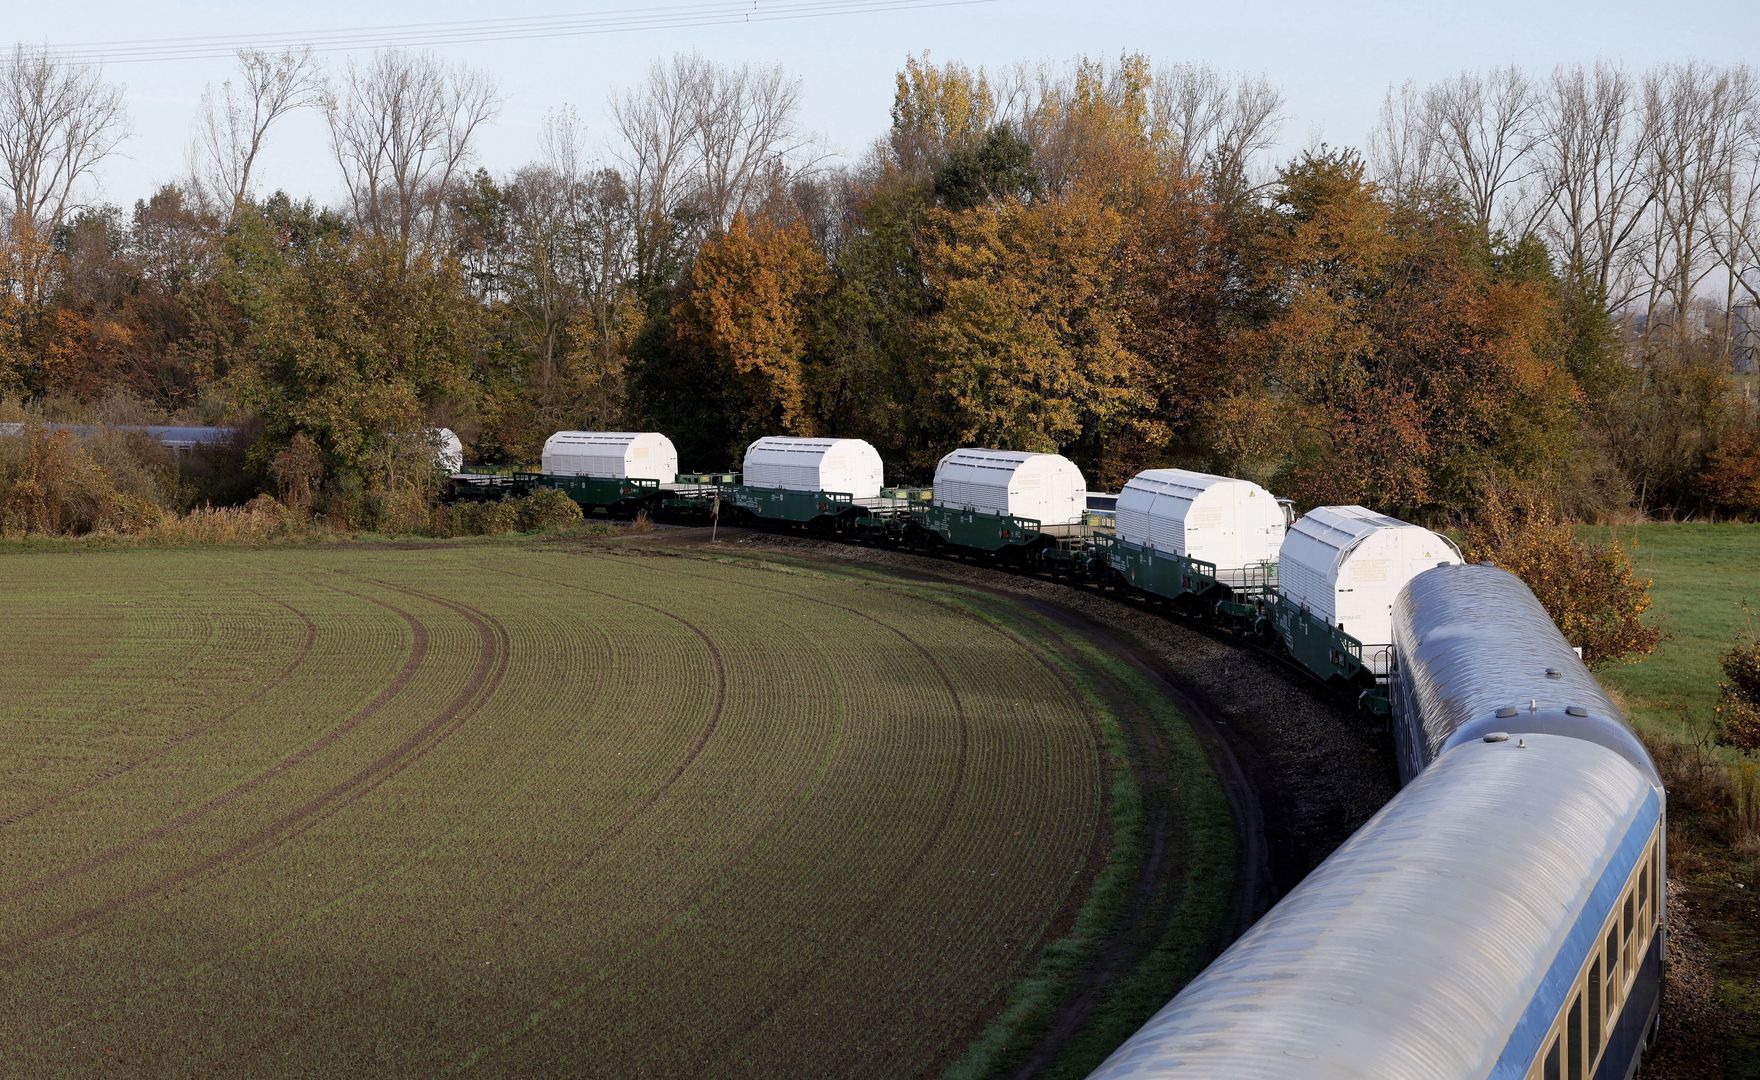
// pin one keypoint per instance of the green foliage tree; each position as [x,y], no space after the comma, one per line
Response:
[345,341]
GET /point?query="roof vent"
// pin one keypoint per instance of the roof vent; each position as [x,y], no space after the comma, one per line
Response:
[1554,673]
[1575,710]
[1506,712]
[1498,736]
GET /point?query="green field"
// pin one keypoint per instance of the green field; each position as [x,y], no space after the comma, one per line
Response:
[521,808]
[1706,591]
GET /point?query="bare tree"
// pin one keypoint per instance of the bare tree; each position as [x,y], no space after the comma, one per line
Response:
[235,120]
[1484,129]
[1703,111]
[1402,146]
[401,129]
[1736,237]
[1213,124]
[701,143]
[1597,136]
[57,123]
[658,125]
[746,136]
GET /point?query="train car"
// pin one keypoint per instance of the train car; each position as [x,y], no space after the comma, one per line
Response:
[1499,918]
[1182,534]
[804,481]
[1339,571]
[995,501]
[1476,653]
[448,450]
[605,471]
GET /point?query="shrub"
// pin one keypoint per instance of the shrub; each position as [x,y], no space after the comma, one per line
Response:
[548,509]
[1590,590]
[54,483]
[1738,699]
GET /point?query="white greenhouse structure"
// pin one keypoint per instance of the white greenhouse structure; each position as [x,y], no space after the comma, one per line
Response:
[1047,488]
[1232,524]
[611,455]
[845,466]
[1347,564]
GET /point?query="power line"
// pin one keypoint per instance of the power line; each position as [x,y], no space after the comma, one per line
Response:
[609,21]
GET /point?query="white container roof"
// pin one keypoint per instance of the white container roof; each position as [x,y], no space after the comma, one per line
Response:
[1047,488]
[846,466]
[1416,949]
[1347,564]
[613,455]
[1221,520]
[449,450]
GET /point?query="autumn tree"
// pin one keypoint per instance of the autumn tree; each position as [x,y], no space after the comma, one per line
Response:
[345,343]
[1404,361]
[938,110]
[743,324]
[1738,696]
[1025,348]
[1591,590]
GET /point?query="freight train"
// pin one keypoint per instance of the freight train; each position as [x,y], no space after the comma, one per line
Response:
[1502,916]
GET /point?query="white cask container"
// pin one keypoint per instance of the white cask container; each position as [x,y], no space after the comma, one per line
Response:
[1347,564]
[618,455]
[846,466]
[1047,488]
[1232,524]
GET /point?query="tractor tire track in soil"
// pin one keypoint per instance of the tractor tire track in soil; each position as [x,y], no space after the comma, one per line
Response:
[417,653]
[1246,779]
[511,1034]
[1152,904]
[492,656]
[944,812]
[676,773]
[300,654]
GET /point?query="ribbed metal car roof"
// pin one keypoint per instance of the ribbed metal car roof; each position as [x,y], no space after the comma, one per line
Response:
[1416,949]
[1472,641]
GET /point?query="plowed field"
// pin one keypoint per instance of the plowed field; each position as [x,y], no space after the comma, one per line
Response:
[517,809]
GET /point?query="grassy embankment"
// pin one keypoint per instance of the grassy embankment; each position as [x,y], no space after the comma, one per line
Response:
[1707,594]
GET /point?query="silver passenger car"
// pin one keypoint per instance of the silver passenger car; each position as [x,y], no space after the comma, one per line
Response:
[1497,918]
[1476,653]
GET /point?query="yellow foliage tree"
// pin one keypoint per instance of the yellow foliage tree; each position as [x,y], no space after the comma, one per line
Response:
[1025,350]
[745,314]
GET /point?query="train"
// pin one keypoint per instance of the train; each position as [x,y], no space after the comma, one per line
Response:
[1504,915]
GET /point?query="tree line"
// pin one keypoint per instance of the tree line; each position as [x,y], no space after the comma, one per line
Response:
[1523,287]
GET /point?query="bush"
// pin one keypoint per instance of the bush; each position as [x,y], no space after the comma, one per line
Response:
[1590,590]
[54,483]
[548,509]
[1738,699]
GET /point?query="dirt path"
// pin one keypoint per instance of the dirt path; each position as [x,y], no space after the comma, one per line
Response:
[1300,775]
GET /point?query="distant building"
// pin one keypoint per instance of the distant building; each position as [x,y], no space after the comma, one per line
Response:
[1744,345]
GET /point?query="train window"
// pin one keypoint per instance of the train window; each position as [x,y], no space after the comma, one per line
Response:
[1612,957]
[1574,1040]
[1597,1006]
[1630,925]
[1550,1070]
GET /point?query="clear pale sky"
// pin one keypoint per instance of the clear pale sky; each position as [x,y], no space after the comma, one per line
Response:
[1333,61]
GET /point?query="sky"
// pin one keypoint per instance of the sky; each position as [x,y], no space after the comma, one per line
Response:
[1332,61]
